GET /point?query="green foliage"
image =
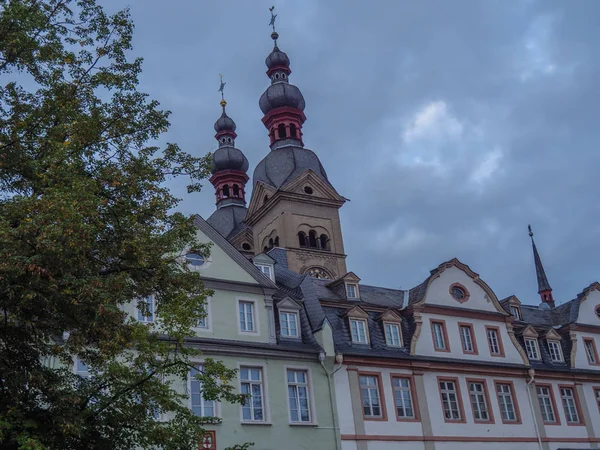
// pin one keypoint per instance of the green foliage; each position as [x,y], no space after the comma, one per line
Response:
[86,225]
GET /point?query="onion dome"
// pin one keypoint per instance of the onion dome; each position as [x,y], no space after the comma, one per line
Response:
[277,58]
[229,158]
[281,94]
[224,123]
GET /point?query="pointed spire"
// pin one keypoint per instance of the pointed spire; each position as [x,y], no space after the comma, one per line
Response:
[544,289]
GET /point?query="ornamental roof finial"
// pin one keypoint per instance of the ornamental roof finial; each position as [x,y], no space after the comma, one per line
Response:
[222,91]
[274,34]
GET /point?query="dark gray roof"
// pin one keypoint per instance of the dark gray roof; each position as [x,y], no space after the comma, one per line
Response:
[233,253]
[228,220]
[281,94]
[285,164]
[224,123]
[371,295]
[277,58]
[542,280]
[229,158]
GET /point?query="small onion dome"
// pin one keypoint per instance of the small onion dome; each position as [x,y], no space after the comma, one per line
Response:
[277,58]
[229,158]
[281,94]
[224,123]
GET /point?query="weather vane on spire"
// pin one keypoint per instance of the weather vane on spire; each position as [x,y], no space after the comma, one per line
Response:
[273,17]
[530,232]
[222,89]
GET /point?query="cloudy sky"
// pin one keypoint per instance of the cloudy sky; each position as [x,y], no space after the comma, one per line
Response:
[449,125]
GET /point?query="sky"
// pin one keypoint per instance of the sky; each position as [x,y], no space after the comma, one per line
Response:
[450,126]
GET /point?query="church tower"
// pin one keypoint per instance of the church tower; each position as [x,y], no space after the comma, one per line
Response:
[229,167]
[293,205]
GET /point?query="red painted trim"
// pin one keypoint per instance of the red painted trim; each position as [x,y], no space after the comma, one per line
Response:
[473,339]
[552,400]
[514,399]
[467,294]
[495,440]
[461,407]
[413,394]
[487,399]
[381,396]
[467,313]
[444,334]
[577,405]
[500,345]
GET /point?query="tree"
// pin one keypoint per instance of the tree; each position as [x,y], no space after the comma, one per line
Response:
[86,225]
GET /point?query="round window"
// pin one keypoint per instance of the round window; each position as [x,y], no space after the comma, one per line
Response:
[194,259]
[598,310]
[246,246]
[459,293]
[308,190]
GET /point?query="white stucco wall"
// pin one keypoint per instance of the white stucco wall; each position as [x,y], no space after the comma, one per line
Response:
[425,342]
[343,401]
[587,309]
[581,359]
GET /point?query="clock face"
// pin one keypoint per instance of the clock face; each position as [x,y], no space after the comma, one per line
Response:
[317,272]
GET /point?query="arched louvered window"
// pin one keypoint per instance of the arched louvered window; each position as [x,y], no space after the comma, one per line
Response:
[281,131]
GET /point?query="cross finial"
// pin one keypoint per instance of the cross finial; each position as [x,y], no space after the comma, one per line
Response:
[530,231]
[222,90]
[273,17]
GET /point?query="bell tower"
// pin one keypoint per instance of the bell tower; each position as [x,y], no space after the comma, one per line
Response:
[293,205]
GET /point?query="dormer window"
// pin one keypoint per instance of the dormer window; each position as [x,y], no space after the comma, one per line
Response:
[531,345]
[266,269]
[516,312]
[352,291]
[555,351]
[358,330]
[392,334]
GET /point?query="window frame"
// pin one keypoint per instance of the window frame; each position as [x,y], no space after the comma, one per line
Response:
[366,329]
[516,308]
[459,400]
[207,318]
[380,393]
[469,326]
[513,397]
[413,397]
[296,321]
[596,390]
[198,366]
[261,266]
[533,345]
[594,349]
[399,328]
[556,342]
[552,403]
[311,401]
[255,319]
[486,395]
[353,286]
[264,392]
[147,319]
[442,323]
[573,388]
[489,328]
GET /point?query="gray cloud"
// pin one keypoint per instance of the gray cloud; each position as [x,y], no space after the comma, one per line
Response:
[449,125]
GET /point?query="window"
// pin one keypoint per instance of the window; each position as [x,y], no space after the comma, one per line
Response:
[494,342]
[532,349]
[202,322]
[440,338]
[351,291]
[459,293]
[266,269]
[403,398]
[516,312]
[567,394]
[508,408]
[547,405]
[392,334]
[82,368]
[479,401]
[199,406]
[590,350]
[467,338]
[146,313]
[555,351]
[358,328]
[370,395]
[252,385]
[451,400]
[247,317]
[194,259]
[597,394]
[297,382]
[288,323]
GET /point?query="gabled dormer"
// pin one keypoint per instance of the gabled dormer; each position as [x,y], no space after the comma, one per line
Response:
[288,312]
[265,264]
[513,305]
[358,322]
[346,286]
[532,347]
[392,328]
[553,340]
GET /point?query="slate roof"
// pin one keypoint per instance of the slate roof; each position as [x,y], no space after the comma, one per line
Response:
[228,221]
